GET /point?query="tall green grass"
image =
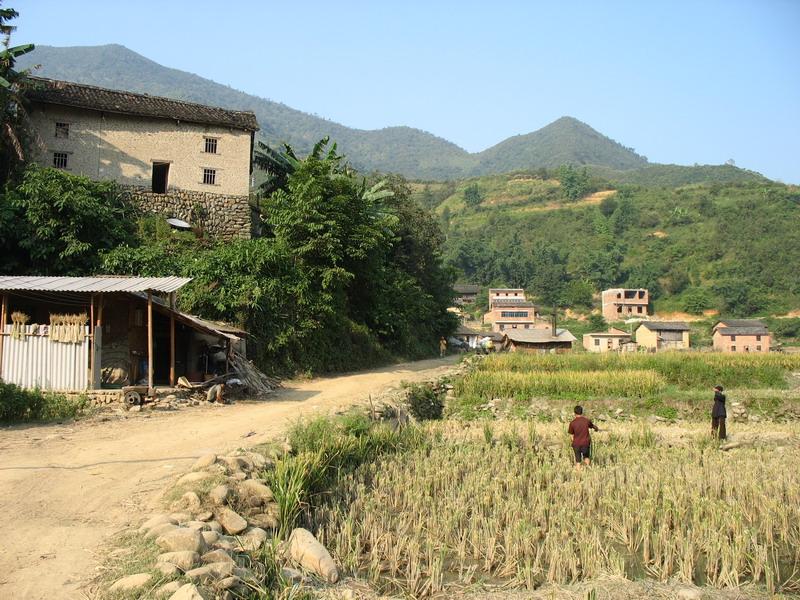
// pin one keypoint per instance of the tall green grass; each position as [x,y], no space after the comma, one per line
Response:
[683,369]
[19,405]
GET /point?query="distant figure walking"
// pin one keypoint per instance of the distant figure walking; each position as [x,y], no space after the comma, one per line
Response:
[442,347]
[718,414]
[581,440]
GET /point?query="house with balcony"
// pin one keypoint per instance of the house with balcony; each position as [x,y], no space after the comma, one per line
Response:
[619,304]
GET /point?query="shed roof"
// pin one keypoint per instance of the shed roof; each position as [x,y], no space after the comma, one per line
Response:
[540,336]
[666,325]
[740,323]
[465,288]
[99,284]
[79,95]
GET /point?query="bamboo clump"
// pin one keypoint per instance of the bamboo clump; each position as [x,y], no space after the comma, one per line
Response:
[69,329]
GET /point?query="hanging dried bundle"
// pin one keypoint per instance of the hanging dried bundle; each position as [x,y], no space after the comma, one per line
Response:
[18,322]
[68,328]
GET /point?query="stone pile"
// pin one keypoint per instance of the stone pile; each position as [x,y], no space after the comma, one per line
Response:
[205,541]
[738,412]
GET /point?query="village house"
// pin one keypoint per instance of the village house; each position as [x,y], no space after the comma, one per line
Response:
[619,304]
[663,335]
[612,340]
[741,335]
[178,159]
[469,336]
[538,340]
[465,293]
[509,309]
[92,333]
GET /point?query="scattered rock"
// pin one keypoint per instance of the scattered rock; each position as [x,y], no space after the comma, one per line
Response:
[183,559]
[229,583]
[216,556]
[255,492]
[211,572]
[291,575]
[157,520]
[214,526]
[182,539]
[189,501]
[263,520]
[210,537]
[306,551]
[190,592]
[159,530]
[168,569]
[198,525]
[204,516]
[252,539]
[225,542]
[167,589]
[131,583]
[204,462]
[220,495]
[239,476]
[181,517]
[231,522]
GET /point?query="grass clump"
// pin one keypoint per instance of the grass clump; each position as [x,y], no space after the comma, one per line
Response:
[424,402]
[21,405]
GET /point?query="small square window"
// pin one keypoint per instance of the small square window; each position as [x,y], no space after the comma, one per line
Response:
[596,342]
[639,309]
[758,338]
[619,309]
[211,145]
[62,130]
[60,160]
[733,348]
[209,176]
[733,338]
[758,348]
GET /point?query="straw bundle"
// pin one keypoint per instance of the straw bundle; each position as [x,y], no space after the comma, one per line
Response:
[68,329]
[18,322]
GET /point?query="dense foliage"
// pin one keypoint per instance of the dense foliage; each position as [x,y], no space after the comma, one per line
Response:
[348,274]
[730,247]
[17,404]
[54,223]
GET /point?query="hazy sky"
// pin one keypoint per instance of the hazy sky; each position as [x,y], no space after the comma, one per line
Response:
[681,82]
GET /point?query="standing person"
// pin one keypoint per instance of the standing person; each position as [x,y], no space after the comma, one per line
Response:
[442,346]
[581,440]
[718,414]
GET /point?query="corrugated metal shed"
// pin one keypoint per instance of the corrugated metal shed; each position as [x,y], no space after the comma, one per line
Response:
[37,362]
[93,284]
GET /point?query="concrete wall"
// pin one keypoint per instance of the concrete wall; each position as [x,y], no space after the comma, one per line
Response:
[741,343]
[616,307]
[123,148]
[606,343]
[649,339]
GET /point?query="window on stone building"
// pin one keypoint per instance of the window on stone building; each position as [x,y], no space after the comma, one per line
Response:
[160,178]
[758,348]
[60,160]
[62,130]
[596,342]
[210,176]
[211,145]
[733,348]
[733,338]
[639,309]
[758,338]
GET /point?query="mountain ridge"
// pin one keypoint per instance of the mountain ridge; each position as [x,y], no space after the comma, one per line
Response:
[412,152]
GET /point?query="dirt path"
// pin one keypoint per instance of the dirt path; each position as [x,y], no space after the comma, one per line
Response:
[65,488]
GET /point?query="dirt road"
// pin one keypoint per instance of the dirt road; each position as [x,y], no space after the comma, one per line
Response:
[64,489]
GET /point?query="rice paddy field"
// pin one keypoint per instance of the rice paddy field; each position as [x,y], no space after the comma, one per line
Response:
[478,508]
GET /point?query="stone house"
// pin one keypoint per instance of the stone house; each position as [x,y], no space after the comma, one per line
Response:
[179,159]
[619,303]
[612,340]
[663,335]
[741,335]
[465,293]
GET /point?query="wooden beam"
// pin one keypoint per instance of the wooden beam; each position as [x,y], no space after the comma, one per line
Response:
[172,340]
[3,317]
[150,344]
[92,341]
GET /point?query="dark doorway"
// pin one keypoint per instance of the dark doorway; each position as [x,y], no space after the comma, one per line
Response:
[160,176]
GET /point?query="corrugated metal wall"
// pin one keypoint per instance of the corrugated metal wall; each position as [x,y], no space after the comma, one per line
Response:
[39,362]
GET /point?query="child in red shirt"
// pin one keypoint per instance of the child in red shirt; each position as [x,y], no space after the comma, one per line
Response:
[581,440]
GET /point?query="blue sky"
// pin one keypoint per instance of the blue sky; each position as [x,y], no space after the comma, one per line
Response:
[681,82]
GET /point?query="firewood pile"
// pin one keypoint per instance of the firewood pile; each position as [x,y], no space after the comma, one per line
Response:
[256,382]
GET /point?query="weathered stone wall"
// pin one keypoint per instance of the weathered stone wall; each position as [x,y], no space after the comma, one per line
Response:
[222,216]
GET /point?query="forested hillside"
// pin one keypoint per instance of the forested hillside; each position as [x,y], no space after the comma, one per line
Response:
[733,247]
[410,152]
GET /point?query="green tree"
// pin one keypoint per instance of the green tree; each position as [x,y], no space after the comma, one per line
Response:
[472,196]
[574,183]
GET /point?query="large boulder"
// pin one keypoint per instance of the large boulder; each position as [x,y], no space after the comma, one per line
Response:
[182,539]
[211,572]
[167,589]
[220,495]
[232,523]
[252,539]
[204,462]
[183,559]
[305,550]
[156,520]
[255,493]
[191,592]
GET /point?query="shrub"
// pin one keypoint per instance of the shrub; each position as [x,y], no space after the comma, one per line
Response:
[17,404]
[425,403]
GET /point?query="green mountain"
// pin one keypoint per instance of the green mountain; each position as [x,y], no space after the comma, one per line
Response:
[411,152]
[727,246]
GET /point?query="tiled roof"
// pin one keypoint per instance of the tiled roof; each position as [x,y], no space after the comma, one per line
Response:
[539,336]
[666,325]
[741,323]
[743,331]
[67,93]
[465,288]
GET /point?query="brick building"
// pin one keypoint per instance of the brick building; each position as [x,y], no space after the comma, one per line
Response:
[620,303]
[741,335]
[509,309]
[177,158]
[663,335]
[612,340]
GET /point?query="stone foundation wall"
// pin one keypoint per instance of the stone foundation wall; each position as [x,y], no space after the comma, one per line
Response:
[221,216]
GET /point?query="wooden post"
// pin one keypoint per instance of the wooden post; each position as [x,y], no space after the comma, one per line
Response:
[3,317]
[91,344]
[150,344]
[172,339]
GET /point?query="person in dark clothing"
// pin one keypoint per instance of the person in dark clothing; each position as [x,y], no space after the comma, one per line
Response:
[581,440]
[718,414]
